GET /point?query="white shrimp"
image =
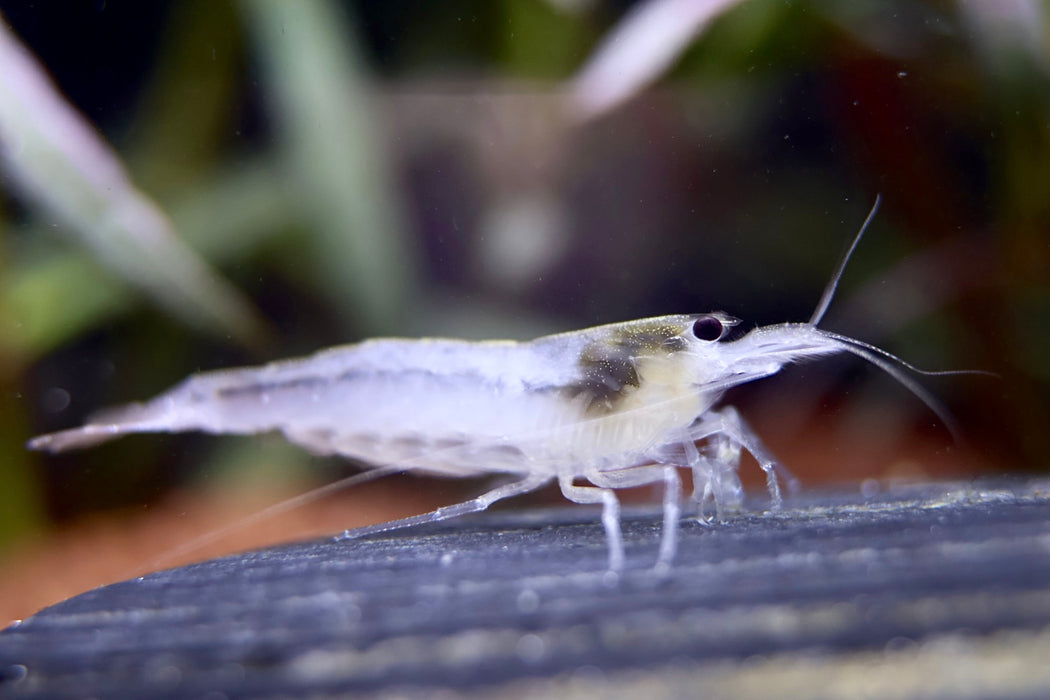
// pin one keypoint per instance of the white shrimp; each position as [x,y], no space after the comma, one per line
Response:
[617,405]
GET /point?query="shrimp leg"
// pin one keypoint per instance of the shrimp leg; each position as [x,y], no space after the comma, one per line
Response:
[715,475]
[726,424]
[610,515]
[640,476]
[474,505]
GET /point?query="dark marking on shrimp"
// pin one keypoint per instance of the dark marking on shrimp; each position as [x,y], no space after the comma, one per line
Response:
[609,369]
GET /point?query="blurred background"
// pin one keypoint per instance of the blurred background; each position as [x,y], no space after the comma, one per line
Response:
[194,185]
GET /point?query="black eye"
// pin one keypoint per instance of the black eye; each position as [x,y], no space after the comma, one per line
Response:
[708,328]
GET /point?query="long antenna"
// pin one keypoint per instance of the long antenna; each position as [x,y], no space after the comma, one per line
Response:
[833,284]
[198,543]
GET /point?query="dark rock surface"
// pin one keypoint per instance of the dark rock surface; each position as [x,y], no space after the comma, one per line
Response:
[938,590]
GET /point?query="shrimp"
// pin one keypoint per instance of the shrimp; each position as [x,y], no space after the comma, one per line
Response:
[615,406]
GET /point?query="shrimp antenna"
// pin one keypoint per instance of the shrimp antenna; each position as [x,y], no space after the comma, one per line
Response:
[276,509]
[833,284]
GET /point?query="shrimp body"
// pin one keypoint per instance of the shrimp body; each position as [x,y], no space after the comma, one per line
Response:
[603,397]
[618,405]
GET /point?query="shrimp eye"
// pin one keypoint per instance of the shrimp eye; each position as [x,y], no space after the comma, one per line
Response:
[708,328]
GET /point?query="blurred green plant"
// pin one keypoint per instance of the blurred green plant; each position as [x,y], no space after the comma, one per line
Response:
[325,185]
[64,171]
[322,104]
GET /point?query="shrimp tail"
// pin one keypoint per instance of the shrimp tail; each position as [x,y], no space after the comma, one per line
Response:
[109,425]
